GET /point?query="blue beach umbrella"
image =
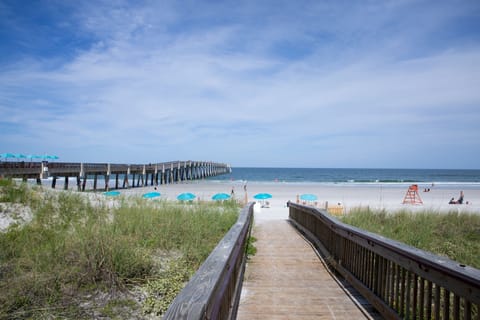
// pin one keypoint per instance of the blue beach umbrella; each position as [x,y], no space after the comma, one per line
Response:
[262,196]
[220,196]
[49,157]
[308,197]
[33,156]
[20,156]
[186,196]
[7,155]
[149,195]
[112,193]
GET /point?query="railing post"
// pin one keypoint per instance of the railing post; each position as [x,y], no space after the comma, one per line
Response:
[44,170]
[163,174]
[107,178]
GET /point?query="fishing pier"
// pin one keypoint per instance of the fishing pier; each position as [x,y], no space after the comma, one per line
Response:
[124,175]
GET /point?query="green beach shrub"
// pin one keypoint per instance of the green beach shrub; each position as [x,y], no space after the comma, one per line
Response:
[13,192]
[162,291]
[452,234]
[251,249]
[73,249]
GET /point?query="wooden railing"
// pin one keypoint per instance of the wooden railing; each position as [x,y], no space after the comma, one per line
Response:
[214,290]
[400,281]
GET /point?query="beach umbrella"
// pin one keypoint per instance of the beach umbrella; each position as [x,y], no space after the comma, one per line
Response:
[262,196]
[149,195]
[49,157]
[186,196]
[220,196]
[20,156]
[308,197]
[33,156]
[112,193]
[7,155]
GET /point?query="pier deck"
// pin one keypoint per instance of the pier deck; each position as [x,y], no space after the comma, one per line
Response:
[286,279]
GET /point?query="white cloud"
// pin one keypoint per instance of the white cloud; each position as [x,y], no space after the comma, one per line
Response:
[158,84]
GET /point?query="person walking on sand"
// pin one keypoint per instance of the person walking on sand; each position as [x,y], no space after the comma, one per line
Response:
[245,190]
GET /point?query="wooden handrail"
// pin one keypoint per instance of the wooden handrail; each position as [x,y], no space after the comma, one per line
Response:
[400,281]
[214,290]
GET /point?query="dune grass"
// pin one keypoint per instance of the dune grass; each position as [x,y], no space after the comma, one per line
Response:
[72,250]
[453,234]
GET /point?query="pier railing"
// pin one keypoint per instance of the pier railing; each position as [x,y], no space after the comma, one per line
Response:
[400,281]
[214,290]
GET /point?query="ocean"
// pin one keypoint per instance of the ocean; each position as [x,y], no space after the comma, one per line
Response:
[390,178]
[401,177]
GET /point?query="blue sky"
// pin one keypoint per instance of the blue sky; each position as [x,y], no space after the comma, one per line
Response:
[390,84]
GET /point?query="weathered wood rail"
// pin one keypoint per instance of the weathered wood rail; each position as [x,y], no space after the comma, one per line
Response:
[214,290]
[128,175]
[400,281]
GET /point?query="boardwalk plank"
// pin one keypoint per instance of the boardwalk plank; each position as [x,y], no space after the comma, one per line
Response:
[286,280]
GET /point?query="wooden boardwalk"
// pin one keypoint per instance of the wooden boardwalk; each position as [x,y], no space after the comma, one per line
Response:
[287,280]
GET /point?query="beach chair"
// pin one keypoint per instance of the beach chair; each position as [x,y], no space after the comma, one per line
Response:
[336,210]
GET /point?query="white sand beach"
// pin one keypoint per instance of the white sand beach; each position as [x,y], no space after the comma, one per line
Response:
[388,197]
[347,196]
[376,196]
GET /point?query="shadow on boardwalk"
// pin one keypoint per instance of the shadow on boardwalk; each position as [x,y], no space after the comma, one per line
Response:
[287,280]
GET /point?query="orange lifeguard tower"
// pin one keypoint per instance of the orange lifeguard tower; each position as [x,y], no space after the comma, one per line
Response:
[412,196]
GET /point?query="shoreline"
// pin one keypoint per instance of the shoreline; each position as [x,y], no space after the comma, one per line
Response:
[346,197]
[359,184]
[375,196]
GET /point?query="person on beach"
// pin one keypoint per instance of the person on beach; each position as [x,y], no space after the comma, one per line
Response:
[245,191]
[459,201]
